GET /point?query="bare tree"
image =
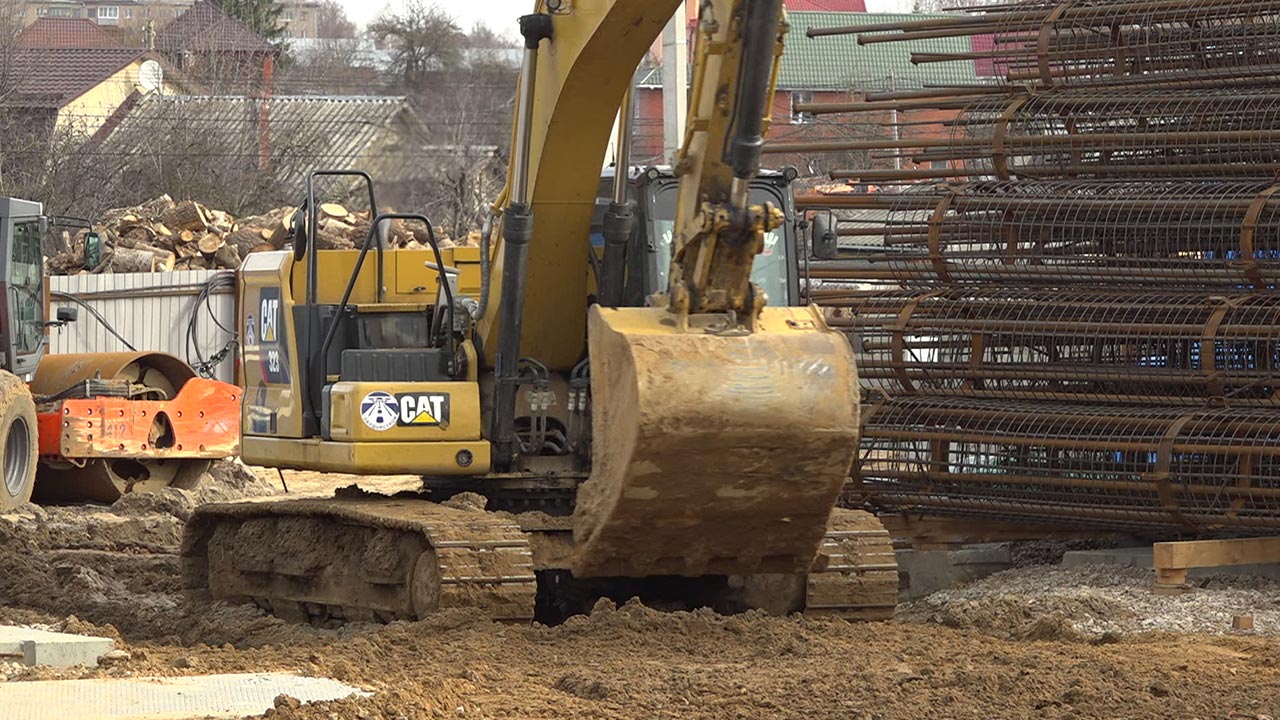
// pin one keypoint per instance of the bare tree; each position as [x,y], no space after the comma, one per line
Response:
[11,26]
[332,21]
[423,39]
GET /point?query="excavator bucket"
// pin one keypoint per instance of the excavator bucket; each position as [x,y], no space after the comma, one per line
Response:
[716,452]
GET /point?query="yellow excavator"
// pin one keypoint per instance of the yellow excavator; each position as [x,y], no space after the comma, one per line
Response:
[632,422]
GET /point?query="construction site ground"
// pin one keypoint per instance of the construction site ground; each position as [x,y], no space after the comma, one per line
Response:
[1034,642]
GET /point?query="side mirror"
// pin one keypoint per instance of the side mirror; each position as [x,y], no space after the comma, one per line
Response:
[68,314]
[825,242]
[44,224]
[300,235]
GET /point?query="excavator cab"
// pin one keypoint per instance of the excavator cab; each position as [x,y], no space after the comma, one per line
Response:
[654,191]
[22,225]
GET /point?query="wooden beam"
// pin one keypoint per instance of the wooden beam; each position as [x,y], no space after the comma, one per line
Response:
[930,533]
[1172,560]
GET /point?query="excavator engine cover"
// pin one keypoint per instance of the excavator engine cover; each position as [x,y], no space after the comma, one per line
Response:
[715,451]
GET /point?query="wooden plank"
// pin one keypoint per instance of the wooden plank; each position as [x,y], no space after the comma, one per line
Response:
[1216,553]
[1172,560]
[927,533]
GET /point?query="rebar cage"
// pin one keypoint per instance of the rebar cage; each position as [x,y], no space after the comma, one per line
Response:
[1065,299]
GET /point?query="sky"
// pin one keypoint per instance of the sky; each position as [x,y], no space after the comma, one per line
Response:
[501,14]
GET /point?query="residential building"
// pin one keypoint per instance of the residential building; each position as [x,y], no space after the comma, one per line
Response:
[205,28]
[127,14]
[161,11]
[52,32]
[219,51]
[81,89]
[301,18]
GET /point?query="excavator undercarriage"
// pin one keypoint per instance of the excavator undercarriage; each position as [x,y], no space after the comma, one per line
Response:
[378,559]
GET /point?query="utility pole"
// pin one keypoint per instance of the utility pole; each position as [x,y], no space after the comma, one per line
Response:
[675,83]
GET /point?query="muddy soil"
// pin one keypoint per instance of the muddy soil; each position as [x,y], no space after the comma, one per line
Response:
[635,663]
[113,571]
[118,566]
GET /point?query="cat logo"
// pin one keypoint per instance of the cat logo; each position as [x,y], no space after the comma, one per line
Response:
[267,337]
[424,409]
[270,318]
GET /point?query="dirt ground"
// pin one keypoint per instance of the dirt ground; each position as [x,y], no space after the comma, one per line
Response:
[1033,643]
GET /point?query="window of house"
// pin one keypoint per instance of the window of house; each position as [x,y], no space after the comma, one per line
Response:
[109,12]
[128,13]
[798,97]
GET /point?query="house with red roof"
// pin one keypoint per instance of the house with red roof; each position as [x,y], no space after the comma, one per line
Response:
[220,51]
[57,32]
[80,88]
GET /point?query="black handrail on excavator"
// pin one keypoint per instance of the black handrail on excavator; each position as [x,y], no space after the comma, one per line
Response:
[313,378]
[355,274]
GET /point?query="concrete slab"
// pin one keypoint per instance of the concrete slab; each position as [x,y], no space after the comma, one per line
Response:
[184,698]
[1142,557]
[41,647]
[924,572]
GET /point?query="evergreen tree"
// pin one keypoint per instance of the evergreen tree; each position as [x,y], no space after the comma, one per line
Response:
[264,17]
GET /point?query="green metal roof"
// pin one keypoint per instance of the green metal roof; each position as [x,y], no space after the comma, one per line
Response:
[839,63]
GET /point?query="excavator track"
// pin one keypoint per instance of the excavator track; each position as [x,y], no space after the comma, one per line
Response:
[855,575]
[361,559]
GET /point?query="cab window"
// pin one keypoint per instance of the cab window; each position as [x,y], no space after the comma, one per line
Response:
[771,267]
[25,288]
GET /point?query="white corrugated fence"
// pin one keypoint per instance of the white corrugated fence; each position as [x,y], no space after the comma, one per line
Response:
[152,311]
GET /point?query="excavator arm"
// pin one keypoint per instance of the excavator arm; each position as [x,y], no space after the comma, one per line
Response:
[735,70]
[723,430]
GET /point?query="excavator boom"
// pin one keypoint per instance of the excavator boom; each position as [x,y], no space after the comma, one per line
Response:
[723,429]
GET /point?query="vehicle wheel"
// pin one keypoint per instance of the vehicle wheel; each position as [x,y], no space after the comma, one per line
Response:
[19,445]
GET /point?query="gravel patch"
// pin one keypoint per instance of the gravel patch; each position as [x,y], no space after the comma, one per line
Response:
[1096,601]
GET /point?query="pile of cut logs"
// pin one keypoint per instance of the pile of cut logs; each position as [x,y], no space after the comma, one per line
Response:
[162,235]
